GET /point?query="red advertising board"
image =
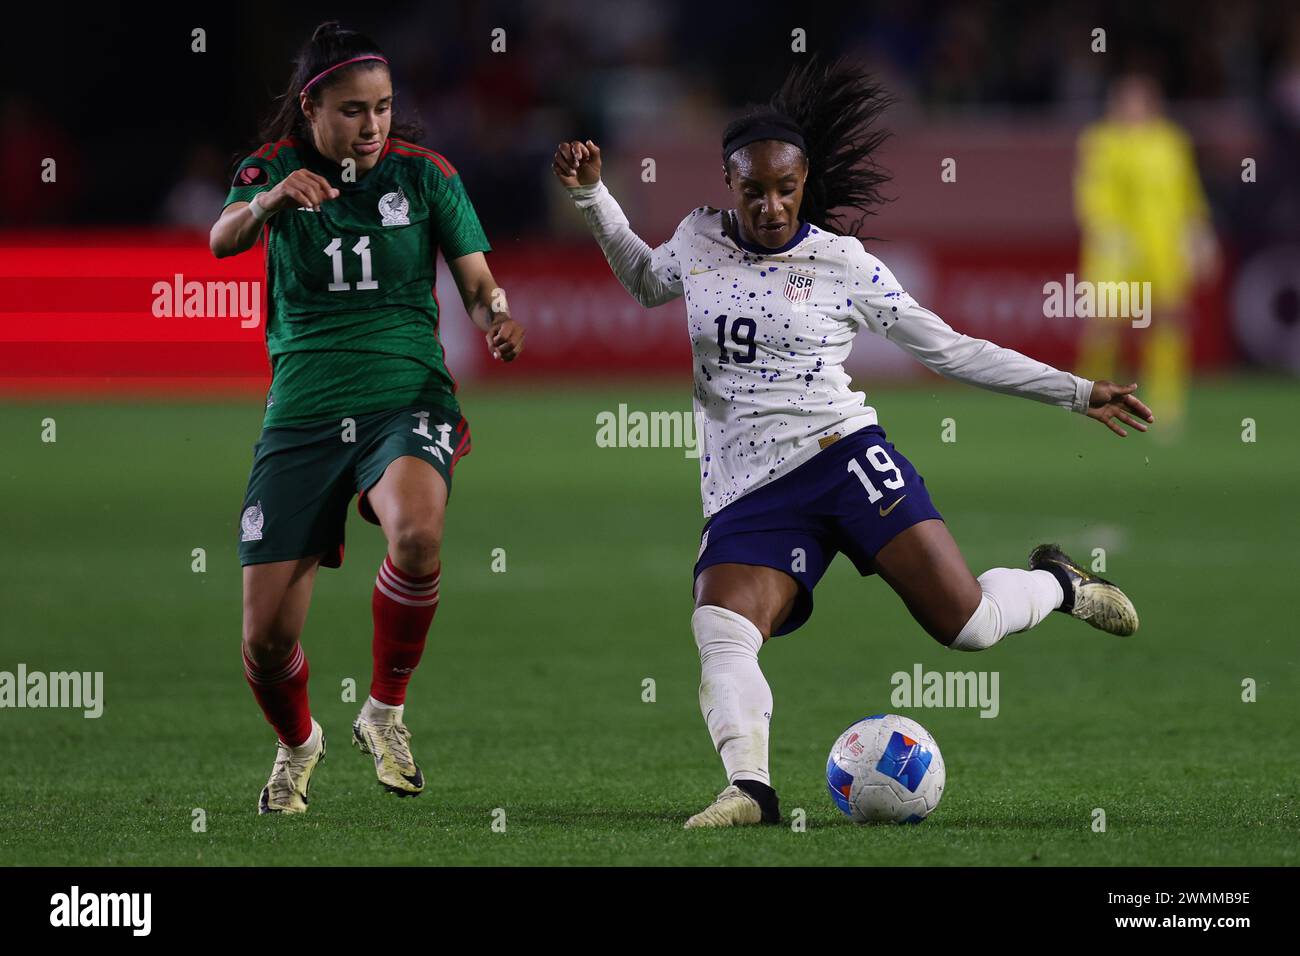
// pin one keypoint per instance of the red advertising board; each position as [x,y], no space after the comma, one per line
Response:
[154,310]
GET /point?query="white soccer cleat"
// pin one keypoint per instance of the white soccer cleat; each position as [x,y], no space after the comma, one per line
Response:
[1088,597]
[732,808]
[385,737]
[286,791]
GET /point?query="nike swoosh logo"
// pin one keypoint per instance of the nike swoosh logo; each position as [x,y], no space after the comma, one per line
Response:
[886,511]
[700,272]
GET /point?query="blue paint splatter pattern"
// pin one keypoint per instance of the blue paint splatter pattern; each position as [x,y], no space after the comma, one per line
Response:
[770,335]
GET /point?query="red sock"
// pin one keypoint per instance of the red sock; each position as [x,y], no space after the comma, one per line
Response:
[281,692]
[403,608]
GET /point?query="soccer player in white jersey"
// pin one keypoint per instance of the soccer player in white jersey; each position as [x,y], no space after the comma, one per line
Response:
[794,466]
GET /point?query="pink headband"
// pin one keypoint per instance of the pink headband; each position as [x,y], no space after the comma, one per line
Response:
[337,66]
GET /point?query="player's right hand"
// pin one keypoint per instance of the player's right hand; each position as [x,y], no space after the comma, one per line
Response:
[300,188]
[1110,403]
[577,164]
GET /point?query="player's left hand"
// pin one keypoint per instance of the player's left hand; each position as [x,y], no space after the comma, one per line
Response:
[1111,403]
[505,339]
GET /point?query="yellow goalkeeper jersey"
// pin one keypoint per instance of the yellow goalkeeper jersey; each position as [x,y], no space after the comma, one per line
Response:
[1137,192]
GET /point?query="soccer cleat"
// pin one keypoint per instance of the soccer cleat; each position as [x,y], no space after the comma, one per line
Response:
[1087,596]
[732,808]
[386,739]
[286,791]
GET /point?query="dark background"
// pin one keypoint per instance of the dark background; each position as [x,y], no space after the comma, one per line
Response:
[132,112]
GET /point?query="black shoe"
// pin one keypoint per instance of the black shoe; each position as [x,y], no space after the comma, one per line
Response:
[1087,596]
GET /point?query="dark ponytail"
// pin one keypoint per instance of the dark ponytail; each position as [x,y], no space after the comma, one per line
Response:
[330,44]
[834,106]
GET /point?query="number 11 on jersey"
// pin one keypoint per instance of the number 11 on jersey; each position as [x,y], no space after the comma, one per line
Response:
[362,249]
[444,436]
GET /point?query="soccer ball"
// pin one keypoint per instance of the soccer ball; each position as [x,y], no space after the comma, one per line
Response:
[885,768]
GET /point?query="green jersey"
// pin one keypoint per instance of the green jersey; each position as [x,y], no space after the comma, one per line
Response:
[352,323]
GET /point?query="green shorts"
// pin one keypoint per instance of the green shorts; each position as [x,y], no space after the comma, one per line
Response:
[304,477]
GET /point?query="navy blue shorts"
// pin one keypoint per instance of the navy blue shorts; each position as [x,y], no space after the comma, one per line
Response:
[852,496]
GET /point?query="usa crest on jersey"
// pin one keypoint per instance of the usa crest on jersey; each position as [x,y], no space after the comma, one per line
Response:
[798,287]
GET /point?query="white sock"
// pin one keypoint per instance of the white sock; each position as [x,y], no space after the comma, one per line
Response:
[1013,600]
[378,709]
[734,697]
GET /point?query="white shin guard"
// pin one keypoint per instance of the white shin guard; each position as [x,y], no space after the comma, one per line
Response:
[1012,600]
[734,697]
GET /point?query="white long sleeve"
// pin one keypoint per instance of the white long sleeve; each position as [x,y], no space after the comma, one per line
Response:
[886,309]
[941,348]
[653,276]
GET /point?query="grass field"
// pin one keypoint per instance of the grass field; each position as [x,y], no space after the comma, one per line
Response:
[529,696]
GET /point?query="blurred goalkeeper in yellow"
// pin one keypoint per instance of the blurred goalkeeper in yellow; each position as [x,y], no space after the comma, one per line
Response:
[1143,218]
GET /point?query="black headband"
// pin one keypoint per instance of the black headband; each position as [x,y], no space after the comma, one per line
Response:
[762,131]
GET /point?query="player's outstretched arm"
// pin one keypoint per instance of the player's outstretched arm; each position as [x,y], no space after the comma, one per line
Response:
[651,279]
[980,362]
[240,223]
[485,302]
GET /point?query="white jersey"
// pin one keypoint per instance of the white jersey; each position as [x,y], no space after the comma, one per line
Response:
[770,331]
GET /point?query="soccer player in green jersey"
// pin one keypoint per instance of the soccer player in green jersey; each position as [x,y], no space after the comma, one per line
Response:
[361,400]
